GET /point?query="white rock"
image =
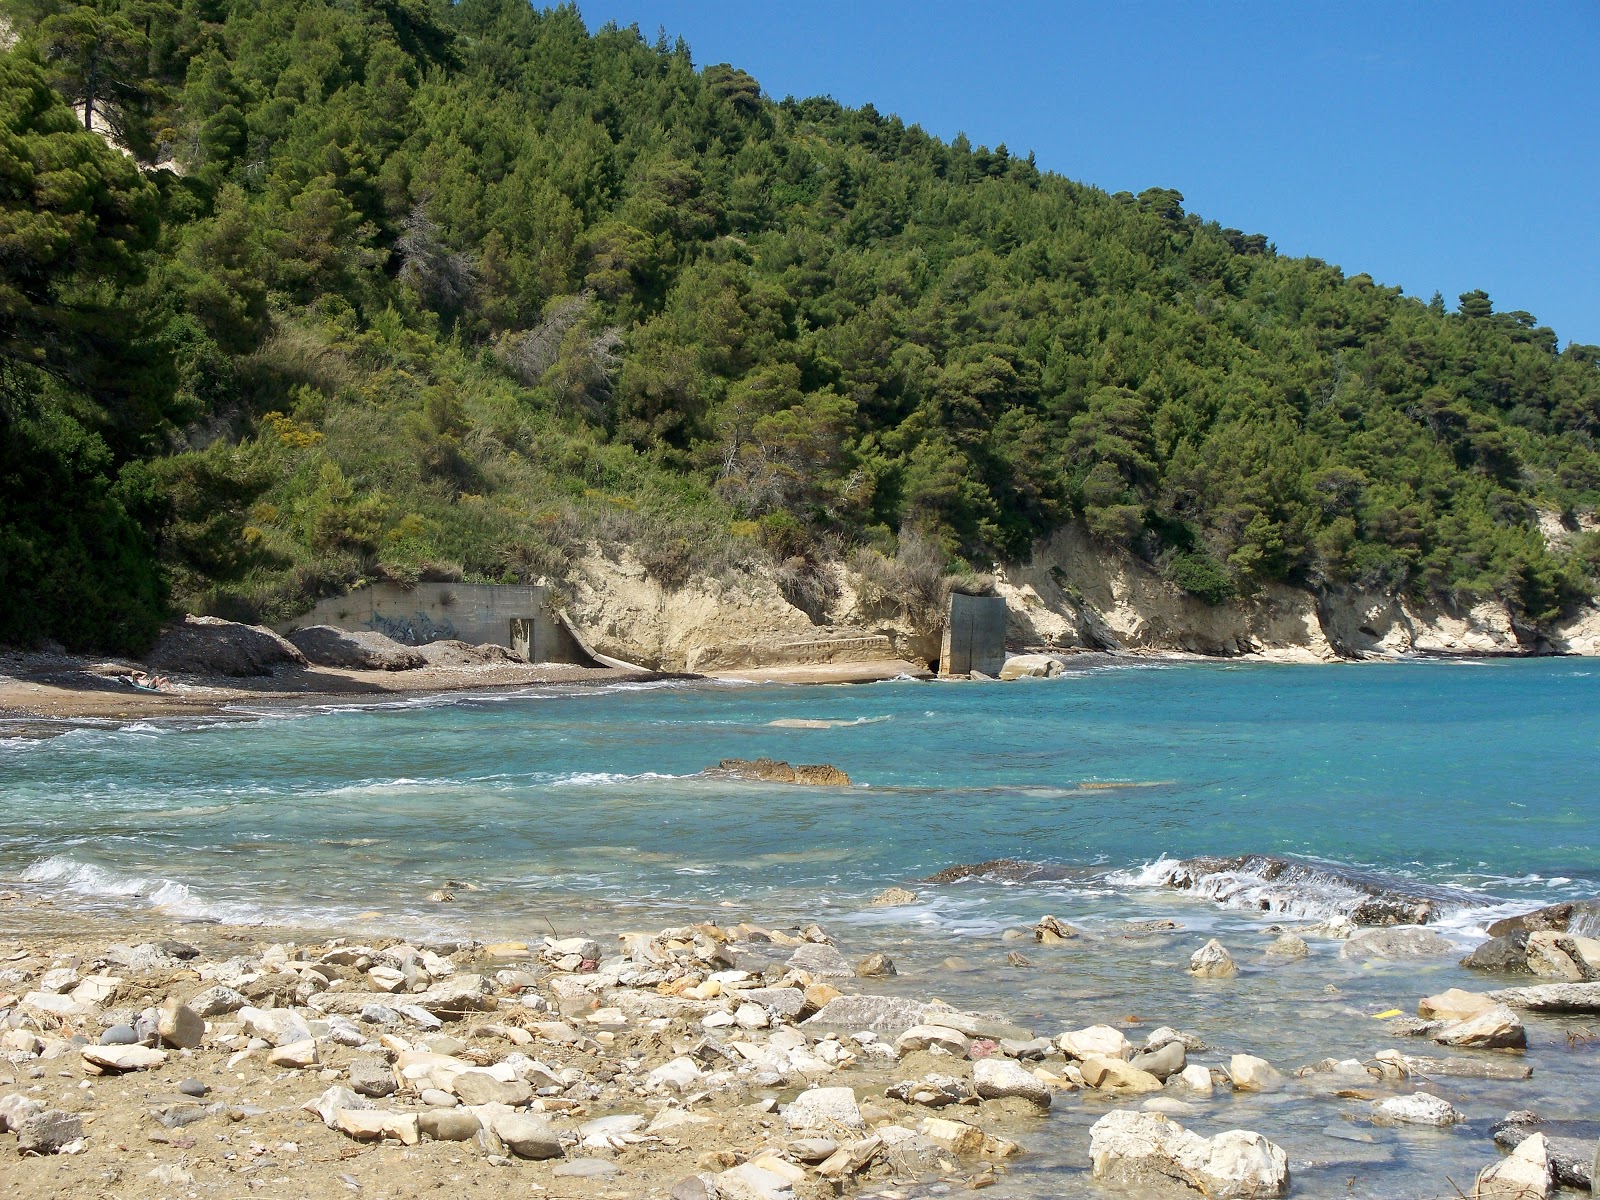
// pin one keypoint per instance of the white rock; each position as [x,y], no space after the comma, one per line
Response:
[95,990]
[1252,1074]
[371,1124]
[827,1109]
[295,1054]
[215,1001]
[609,1133]
[751,1016]
[1497,1028]
[387,979]
[526,1136]
[277,1026]
[921,1037]
[995,1077]
[1419,1108]
[52,1005]
[61,979]
[750,1182]
[1145,1151]
[675,1076]
[1095,1041]
[1524,1174]
[1212,961]
[180,1026]
[334,1099]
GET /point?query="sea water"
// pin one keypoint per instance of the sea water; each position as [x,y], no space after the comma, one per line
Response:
[586,810]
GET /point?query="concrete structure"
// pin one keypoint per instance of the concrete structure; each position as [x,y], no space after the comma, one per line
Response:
[517,616]
[974,635]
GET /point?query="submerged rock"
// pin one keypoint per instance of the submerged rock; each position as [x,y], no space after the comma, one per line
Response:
[1150,1154]
[770,770]
[1396,943]
[1005,870]
[1524,1174]
[1419,1108]
[1212,961]
[1581,916]
[1270,884]
[1507,953]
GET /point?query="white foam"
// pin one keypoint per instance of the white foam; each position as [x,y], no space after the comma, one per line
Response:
[602,778]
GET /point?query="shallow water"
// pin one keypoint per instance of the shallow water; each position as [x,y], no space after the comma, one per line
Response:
[585,811]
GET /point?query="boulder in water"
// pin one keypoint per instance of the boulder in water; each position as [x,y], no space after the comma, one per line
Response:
[1580,916]
[1396,943]
[770,770]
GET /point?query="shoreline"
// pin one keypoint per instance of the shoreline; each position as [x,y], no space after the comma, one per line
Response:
[42,694]
[646,1062]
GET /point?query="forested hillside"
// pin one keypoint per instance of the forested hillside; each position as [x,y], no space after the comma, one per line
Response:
[401,288]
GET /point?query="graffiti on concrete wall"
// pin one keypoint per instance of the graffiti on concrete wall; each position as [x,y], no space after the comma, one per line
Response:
[416,630]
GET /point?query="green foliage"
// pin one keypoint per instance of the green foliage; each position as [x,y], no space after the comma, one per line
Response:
[461,287]
[1203,577]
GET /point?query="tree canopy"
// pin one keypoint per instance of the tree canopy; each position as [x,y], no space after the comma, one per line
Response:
[400,287]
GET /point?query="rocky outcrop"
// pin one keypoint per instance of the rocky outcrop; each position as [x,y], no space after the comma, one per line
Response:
[769,770]
[212,646]
[363,650]
[1269,884]
[1572,916]
[716,623]
[1149,1154]
[1076,592]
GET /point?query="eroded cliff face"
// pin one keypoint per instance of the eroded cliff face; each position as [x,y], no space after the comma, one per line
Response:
[1072,594]
[1087,595]
[724,624]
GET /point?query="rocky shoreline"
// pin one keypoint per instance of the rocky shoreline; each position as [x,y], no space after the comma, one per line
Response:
[702,1062]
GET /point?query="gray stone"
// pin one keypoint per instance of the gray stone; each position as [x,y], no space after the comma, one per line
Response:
[820,960]
[1163,1062]
[1396,942]
[193,1087]
[828,1109]
[17,1108]
[47,1132]
[1419,1108]
[694,1187]
[1507,954]
[372,1077]
[787,1002]
[119,1035]
[1552,997]
[448,1124]
[880,1014]
[480,1087]
[997,1078]
[215,1001]
[527,1136]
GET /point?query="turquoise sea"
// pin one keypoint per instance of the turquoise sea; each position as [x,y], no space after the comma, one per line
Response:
[585,811]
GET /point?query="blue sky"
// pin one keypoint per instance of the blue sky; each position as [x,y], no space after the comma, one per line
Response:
[1439,146]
